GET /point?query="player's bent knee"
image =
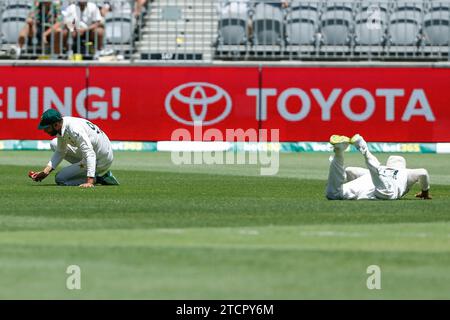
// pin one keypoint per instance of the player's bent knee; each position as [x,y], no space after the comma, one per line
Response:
[59,180]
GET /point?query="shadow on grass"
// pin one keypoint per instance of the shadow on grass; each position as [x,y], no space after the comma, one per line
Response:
[55,185]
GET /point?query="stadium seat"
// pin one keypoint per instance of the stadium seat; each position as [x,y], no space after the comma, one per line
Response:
[119,28]
[375,8]
[439,5]
[305,5]
[337,22]
[368,31]
[13,19]
[403,28]
[383,5]
[233,25]
[20,8]
[273,3]
[412,9]
[301,22]
[268,25]
[406,22]
[437,25]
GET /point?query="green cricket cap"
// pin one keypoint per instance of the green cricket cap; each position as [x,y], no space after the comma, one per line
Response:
[49,117]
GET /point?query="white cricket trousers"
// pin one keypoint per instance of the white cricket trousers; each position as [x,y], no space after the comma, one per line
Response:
[76,173]
[375,182]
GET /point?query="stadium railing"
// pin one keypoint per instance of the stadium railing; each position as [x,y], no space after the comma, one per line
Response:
[241,30]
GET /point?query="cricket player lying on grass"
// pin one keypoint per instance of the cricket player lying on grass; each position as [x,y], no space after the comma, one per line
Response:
[387,182]
[81,143]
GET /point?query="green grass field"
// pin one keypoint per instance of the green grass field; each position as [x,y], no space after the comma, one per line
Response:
[219,232]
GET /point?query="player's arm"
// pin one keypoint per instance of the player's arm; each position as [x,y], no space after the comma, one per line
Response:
[57,158]
[87,150]
[422,177]
[41,175]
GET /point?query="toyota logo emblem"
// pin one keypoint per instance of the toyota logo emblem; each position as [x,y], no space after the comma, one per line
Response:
[198,102]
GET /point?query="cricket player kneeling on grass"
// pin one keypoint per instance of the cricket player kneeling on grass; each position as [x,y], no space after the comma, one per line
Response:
[387,182]
[81,143]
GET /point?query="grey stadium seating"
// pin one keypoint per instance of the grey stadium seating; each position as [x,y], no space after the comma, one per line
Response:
[371,24]
[437,25]
[13,19]
[336,23]
[233,25]
[268,25]
[405,22]
[301,22]
[119,28]
[411,8]
[403,28]
[349,28]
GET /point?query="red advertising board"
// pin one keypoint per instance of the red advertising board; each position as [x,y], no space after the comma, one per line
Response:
[382,104]
[130,103]
[25,91]
[155,102]
[165,103]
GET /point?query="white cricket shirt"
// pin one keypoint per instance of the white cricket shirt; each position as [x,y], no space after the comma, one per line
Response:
[91,141]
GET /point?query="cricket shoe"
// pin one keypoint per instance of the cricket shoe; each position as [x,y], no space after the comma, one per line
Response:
[340,143]
[107,179]
[359,143]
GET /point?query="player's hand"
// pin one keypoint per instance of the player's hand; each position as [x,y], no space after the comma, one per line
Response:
[37,176]
[424,195]
[87,185]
